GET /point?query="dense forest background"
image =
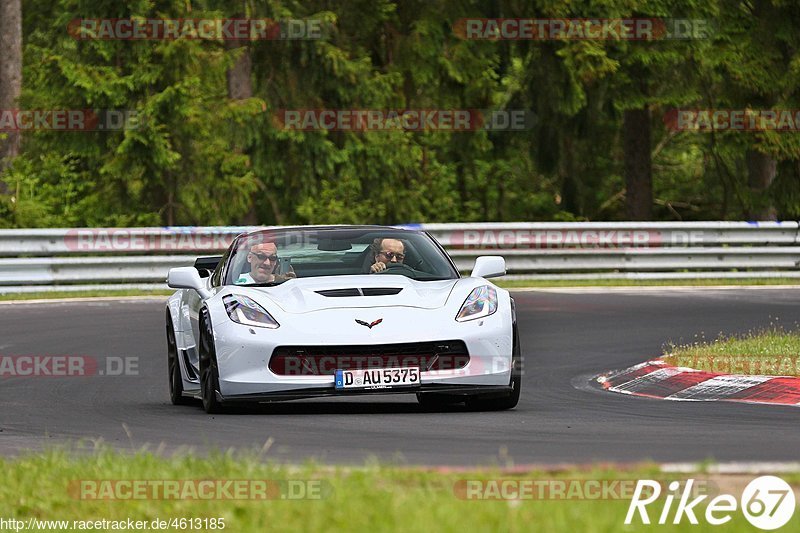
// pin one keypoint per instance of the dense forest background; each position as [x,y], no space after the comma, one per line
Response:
[208,152]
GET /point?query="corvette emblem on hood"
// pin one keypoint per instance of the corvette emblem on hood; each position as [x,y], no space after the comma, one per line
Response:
[368,324]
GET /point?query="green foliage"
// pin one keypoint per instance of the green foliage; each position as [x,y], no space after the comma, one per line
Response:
[199,157]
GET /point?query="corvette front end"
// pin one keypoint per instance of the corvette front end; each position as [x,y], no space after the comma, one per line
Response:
[308,347]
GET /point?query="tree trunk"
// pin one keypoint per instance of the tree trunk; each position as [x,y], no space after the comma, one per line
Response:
[761,170]
[240,87]
[10,75]
[638,164]
[570,185]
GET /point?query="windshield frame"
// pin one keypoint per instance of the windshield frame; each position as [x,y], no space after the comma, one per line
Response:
[226,279]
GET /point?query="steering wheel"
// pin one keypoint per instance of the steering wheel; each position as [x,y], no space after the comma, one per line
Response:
[401,269]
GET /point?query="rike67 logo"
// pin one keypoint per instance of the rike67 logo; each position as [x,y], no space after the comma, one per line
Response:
[767,502]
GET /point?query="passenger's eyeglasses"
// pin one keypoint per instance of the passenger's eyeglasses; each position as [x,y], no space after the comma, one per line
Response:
[392,255]
[263,257]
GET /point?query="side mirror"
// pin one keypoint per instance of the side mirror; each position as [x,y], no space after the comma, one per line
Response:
[489,266]
[187,278]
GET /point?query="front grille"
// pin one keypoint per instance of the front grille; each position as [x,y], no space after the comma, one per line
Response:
[325,360]
[355,291]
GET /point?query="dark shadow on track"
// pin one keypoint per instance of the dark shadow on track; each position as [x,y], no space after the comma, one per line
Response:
[323,408]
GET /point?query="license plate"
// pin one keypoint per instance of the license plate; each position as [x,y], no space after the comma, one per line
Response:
[377,378]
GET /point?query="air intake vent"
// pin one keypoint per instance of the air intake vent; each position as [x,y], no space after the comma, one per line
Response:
[380,291]
[367,291]
[339,293]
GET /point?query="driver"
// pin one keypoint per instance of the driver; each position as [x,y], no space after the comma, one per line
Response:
[263,259]
[387,251]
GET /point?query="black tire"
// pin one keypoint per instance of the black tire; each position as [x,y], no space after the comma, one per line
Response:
[477,403]
[173,367]
[209,371]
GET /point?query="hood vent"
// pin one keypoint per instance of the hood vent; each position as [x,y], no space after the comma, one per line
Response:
[355,291]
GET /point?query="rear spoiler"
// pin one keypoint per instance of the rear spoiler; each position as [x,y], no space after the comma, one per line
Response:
[207,263]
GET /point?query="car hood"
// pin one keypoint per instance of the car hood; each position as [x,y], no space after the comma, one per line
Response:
[306,295]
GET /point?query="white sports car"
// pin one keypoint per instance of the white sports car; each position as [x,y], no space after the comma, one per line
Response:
[290,313]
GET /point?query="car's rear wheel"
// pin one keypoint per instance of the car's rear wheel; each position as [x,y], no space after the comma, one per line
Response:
[209,371]
[478,403]
[173,367]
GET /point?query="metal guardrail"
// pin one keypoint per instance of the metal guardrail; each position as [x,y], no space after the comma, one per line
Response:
[120,241]
[74,259]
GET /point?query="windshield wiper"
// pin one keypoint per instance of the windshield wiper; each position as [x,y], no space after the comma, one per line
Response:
[431,279]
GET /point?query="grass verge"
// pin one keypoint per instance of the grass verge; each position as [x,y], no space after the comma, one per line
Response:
[55,485]
[769,352]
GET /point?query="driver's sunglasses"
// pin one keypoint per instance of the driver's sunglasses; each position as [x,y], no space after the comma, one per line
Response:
[263,257]
[392,255]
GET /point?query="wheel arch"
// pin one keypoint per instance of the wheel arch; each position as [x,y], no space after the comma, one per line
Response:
[173,308]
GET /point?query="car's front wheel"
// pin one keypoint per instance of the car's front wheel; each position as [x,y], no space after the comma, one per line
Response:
[209,371]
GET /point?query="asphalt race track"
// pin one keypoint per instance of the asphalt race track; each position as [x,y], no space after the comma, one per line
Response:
[566,338]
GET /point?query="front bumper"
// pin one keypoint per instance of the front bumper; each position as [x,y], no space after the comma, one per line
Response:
[243,353]
[485,391]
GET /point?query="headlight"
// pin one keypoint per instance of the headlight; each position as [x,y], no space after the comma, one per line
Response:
[481,302]
[244,310]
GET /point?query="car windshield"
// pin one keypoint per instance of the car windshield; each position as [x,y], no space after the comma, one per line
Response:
[271,257]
